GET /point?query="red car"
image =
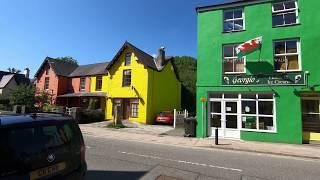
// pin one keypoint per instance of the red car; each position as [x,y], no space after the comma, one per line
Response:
[165,117]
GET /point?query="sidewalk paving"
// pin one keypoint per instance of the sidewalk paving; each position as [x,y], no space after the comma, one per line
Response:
[155,134]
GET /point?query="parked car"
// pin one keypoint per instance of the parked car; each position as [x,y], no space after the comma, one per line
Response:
[165,117]
[41,146]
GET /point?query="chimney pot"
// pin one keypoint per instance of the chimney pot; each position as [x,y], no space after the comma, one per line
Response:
[26,72]
[162,56]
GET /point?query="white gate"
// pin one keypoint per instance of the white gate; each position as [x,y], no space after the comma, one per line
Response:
[179,117]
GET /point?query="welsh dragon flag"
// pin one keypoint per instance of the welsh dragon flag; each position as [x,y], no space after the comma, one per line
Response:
[248,47]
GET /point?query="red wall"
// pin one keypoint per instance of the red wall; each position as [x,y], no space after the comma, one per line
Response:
[75,83]
[53,82]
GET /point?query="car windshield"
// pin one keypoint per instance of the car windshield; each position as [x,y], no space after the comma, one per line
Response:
[165,113]
[31,140]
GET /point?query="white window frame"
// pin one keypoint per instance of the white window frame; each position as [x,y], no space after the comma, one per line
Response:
[234,57]
[234,19]
[286,11]
[288,54]
[257,115]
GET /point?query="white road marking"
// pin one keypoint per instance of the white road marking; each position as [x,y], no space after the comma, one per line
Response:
[181,161]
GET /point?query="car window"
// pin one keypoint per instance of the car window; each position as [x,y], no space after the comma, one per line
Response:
[34,139]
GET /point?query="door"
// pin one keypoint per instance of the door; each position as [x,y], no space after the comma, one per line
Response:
[230,119]
[126,109]
[224,116]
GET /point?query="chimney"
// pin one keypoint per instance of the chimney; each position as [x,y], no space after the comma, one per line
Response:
[161,57]
[26,72]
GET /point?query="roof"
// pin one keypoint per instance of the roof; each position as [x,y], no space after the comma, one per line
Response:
[5,80]
[145,58]
[90,69]
[85,94]
[13,120]
[228,4]
[19,78]
[61,68]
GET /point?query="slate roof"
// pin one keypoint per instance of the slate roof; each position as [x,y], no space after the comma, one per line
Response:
[145,58]
[6,77]
[67,69]
[61,68]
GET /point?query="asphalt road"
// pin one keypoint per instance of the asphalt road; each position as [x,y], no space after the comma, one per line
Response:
[114,159]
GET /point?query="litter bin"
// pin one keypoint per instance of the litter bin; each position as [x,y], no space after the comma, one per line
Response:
[190,127]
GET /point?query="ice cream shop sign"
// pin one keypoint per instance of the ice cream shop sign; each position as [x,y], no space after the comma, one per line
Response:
[276,79]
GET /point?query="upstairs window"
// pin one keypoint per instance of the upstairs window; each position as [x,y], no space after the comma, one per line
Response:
[286,55]
[284,13]
[128,59]
[231,63]
[233,20]
[82,84]
[98,83]
[47,70]
[126,78]
[46,83]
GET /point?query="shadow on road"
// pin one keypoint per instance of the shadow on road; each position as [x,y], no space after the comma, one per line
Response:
[96,174]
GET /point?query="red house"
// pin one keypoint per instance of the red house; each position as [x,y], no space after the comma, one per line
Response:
[67,83]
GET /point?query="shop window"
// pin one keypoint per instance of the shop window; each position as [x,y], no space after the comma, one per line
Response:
[98,83]
[284,13]
[286,55]
[128,59]
[82,84]
[231,63]
[233,20]
[258,114]
[46,83]
[126,78]
[134,104]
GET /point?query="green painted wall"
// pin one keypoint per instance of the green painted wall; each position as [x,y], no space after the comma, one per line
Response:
[258,22]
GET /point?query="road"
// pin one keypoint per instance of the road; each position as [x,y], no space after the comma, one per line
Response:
[109,158]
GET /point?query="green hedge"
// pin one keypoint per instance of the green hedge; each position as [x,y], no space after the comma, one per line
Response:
[89,116]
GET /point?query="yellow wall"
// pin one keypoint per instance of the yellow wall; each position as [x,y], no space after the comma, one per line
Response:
[157,91]
[165,91]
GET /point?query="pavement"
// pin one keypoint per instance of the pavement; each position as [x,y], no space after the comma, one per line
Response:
[158,134]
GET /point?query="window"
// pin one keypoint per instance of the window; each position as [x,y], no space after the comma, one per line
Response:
[82,84]
[134,104]
[128,59]
[284,13]
[126,78]
[46,83]
[47,70]
[233,20]
[98,83]
[257,113]
[286,55]
[231,63]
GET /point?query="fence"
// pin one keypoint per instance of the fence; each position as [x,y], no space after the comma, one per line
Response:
[178,117]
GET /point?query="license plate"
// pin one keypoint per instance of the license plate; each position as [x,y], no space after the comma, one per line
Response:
[47,171]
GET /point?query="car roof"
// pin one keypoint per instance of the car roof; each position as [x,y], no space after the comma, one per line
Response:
[11,120]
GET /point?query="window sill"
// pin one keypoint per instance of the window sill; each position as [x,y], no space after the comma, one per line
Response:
[287,71]
[286,25]
[231,32]
[234,73]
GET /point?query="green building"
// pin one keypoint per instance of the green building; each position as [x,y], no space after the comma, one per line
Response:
[271,94]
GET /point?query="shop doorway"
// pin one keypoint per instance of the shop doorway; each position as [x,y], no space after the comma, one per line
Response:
[311,119]
[224,114]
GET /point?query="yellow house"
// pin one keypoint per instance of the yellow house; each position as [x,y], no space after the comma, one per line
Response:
[141,85]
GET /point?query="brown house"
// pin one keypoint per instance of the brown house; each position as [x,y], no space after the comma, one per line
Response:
[68,83]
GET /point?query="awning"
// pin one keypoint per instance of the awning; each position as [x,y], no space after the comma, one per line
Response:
[84,94]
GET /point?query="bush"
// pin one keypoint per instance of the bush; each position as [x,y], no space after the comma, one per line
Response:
[89,116]
[4,101]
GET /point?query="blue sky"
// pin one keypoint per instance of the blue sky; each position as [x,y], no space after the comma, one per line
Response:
[92,31]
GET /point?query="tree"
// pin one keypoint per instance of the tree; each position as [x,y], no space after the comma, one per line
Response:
[68,59]
[23,95]
[14,70]
[43,98]
[186,68]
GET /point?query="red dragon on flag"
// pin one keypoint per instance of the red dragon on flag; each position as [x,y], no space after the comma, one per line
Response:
[248,47]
